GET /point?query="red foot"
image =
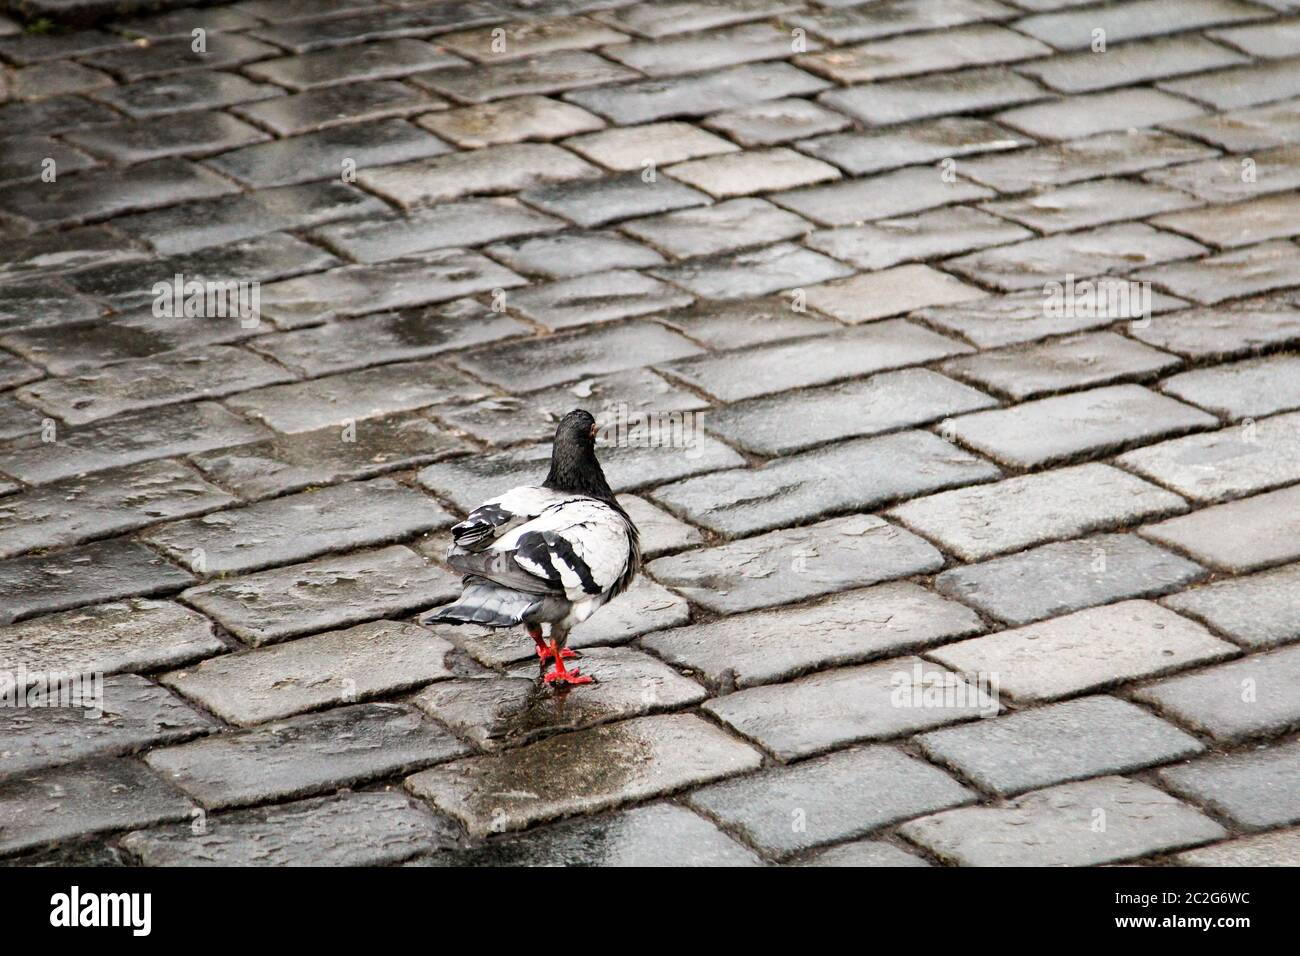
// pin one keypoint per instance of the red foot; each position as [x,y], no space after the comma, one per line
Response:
[557,676]
[545,653]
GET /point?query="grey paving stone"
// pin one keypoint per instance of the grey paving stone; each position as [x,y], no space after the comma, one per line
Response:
[80,509]
[468,223]
[88,574]
[790,809]
[1279,848]
[1231,463]
[131,715]
[736,323]
[1241,86]
[1252,697]
[794,564]
[681,16]
[596,297]
[825,711]
[125,440]
[1067,576]
[1274,40]
[544,73]
[753,274]
[1257,789]
[17,419]
[14,371]
[1230,275]
[378,23]
[327,593]
[1082,424]
[1105,155]
[407,334]
[48,302]
[697,52]
[878,197]
[1094,204]
[297,527]
[660,144]
[135,634]
[638,759]
[643,608]
[1245,130]
[189,91]
[469,481]
[940,232]
[730,88]
[872,151]
[25,48]
[132,62]
[658,835]
[335,105]
[753,171]
[1072,30]
[1220,180]
[1086,651]
[75,347]
[382,59]
[26,158]
[503,711]
[869,296]
[304,755]
[983,521]
[598,202]
[186,375]
[1058,743]
[864,853]
[563,255]
[529,38]
[496,169]
[95,797]
[622,403]
[357,450]
[193,226]
[328,153]
[779,366]
[179,134]
[1241,389]
[41,255]
[1245,535]
[1269,217]
[852,476]
[102,193]
[846,23]
[861,407]
[1066,363]
[942,94]
[1106,820]
[352,829]
[660,531]
[776,121]
[181,22]
[510,121]
[1229,331]
[764,647]
[338,667]
[909,55]
[263,259]
[1106,251]
[1257,611]
[524,366]
[1132,63]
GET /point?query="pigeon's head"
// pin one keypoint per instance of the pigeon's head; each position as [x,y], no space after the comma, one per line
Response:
[576,430]
[573,458]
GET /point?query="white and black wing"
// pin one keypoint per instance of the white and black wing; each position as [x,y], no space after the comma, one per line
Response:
[580,546]
[500,515]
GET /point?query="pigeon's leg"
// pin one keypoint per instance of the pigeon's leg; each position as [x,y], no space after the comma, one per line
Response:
[559,674]
[535,632]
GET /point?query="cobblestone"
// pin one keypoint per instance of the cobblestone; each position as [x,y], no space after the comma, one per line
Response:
[816,242]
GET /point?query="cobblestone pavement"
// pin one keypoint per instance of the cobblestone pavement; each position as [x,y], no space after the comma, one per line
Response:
[945,568]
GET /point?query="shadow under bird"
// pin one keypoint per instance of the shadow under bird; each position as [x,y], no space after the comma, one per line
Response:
[552,554]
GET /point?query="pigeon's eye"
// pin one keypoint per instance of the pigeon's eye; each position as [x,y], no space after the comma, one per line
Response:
[593,430]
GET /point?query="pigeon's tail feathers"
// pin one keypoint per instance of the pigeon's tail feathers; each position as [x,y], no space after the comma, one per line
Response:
[483,602]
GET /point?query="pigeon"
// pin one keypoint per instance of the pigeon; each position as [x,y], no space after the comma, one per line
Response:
[549,554]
